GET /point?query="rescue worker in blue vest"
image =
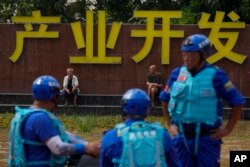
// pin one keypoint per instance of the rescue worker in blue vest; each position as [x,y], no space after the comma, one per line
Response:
[37,137]
[192,103]
[128,145]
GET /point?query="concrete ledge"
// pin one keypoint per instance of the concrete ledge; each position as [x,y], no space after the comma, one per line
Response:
[108,110]
[92,104]
[98,99]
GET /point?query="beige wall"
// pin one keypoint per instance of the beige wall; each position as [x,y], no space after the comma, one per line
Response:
[51,56]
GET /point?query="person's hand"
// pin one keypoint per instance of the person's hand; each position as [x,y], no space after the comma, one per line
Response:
[74,89]
[153,85]
[68,92]
[93,149]
[220,133]
[173,130]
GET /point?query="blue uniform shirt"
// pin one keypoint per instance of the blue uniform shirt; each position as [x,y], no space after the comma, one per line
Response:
[38,127]
[224,90]
[111,147]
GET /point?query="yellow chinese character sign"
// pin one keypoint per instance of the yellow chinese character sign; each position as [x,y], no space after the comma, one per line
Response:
[165,33]
[101,58]
[224,50]
[149,33]
[29,33]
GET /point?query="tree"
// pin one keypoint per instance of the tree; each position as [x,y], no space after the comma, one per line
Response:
[122,10]
[245,10]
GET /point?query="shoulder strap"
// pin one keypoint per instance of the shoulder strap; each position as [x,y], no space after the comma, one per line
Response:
[119,128]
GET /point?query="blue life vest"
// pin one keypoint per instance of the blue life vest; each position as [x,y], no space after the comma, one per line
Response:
[193,99]
[16,148]
[142,145]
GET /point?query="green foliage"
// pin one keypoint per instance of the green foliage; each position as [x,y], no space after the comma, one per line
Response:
[118,10]
[5,120]
[191,10]
[89,122]
[24,7]
[107,122]
[245,10]
[122,10]
[189,15]
[6,11]
[86,123]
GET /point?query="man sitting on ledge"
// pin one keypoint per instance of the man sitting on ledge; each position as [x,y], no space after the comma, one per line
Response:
[70,86]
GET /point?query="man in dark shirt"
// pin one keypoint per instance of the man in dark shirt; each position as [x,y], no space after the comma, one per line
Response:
[154,83]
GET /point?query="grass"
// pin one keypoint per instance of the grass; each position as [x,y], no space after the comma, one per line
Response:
[92,127]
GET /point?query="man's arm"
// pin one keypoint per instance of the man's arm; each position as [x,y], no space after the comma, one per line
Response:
[173,129]
[234,117]
[160,80]
[91,148]
[75,83]
[164,97]
[148,80]
[65,83]
[165,112]
[43,127]
[226,90]
[60,148]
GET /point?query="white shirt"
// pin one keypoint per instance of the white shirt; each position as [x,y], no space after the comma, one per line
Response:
[74,81]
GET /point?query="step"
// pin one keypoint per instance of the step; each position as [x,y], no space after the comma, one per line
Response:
[83,99]
[95,104]
[108,110]
[81,109]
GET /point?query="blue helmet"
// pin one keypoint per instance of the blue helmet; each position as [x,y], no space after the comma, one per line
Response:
[45,88]
[196,43]
[136,102]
